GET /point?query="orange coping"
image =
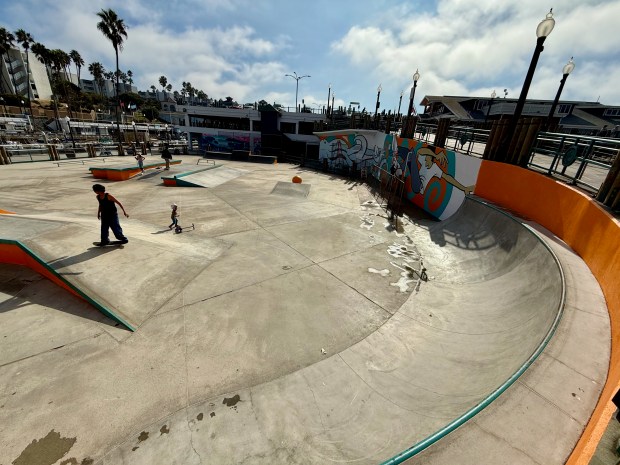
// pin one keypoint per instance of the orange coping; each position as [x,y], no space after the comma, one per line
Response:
[591,232]
[6,212]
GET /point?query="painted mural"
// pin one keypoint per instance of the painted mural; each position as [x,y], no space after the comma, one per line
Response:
[227,142]
[436,179]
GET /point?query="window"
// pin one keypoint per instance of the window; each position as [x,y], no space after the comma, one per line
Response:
[563,109]
[287,128]
[612,112]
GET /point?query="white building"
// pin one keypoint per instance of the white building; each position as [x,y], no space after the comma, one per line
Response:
[17,77]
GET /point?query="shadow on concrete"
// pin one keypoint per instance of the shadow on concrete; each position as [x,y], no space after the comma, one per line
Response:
[91,252]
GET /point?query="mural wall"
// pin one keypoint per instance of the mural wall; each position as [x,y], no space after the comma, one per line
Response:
[226,141]
[436,179]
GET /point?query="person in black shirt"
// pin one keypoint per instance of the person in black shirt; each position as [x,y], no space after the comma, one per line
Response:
[167,156]
[108,215]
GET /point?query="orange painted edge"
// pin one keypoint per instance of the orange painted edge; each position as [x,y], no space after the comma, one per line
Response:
[170,182]
[6,212]
[593,234]
[14,253]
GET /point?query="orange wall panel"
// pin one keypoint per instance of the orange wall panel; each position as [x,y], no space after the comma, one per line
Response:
[592,233]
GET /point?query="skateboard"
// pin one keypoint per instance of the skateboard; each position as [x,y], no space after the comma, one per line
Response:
[179,229]
[99,244]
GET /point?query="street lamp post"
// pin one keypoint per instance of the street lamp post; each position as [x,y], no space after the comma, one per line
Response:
[542,32]
[378,103]
[135,133]
[493,95]
[333,97]
[416,78]
[568,68]
[297,78]
[22,106]
[400,100]
[3,105]
[329,90]
[68,120]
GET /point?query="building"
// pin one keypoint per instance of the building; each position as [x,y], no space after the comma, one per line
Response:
[262,130]
[588,118]
[17,75]
[107,87]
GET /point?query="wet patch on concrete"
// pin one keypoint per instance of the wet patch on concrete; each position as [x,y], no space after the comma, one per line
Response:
[200,417]
[143,436]
[231,402]
[164,430]
[212,414]
[45,451]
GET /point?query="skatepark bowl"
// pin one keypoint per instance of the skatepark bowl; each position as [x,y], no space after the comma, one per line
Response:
[293,325]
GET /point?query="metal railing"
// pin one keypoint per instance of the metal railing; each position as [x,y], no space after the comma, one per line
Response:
[387,188]
[583,161]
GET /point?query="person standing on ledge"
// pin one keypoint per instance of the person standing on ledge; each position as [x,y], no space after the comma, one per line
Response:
[108,215]
[167,156]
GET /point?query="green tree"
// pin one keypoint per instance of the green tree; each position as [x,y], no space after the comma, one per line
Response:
[25,39]
[7,42]
[113,28]
[44,55]
[163,81]
[97,71]
[130,77]
[77,60]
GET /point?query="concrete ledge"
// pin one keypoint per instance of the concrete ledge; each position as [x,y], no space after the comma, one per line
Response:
[176,181]
[263,159]
[122,173]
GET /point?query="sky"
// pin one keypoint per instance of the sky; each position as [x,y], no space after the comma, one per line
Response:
[245,48]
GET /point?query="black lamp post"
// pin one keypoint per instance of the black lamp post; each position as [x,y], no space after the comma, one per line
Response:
[542,31]
[378,103]
[333,97]
[493,95]
[416,78]
[568,68]
[3,105]
[297,78]
[22,106]
[135,133]
[400,100]
[329,91]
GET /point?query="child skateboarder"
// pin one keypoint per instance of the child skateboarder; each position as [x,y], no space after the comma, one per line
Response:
[108,215]
[174,216]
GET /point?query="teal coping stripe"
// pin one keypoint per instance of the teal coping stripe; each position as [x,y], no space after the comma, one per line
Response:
[187,173]
[109,313]
[136,167]
[433,438]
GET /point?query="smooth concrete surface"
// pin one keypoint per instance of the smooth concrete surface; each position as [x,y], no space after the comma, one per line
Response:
[285,328]
[212,177]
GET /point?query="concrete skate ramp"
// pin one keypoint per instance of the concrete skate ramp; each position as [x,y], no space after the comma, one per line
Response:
[493,298]
[211,177]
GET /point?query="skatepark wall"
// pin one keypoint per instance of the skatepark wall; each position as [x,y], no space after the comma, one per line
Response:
[592,233]
[435,178]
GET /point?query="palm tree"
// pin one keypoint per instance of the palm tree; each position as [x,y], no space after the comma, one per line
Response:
[169,87]
[113,28]
[44,55]
[130,77]
[154,89]
[77,60]
[25,39]
[97,70]
[60,62]
[163,81]
[7,42]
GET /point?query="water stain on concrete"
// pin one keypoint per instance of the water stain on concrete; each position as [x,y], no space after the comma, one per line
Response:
[212,414]
[232,401]
[133,449]
[143,436]
[71,461]
[45,451]
[164,430]
[200,417]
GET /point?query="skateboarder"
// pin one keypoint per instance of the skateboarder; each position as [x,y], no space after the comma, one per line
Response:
[108,215]
[174,216]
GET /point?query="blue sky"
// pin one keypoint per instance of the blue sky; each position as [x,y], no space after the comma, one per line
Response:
[244,48]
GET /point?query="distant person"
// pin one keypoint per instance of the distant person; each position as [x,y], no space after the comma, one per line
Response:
[148,146]
[167,156]
[108,215]
[140,159]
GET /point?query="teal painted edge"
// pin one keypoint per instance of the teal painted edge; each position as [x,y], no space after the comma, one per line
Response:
[433,438]
[180,183]
[136,167]
[107,312]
